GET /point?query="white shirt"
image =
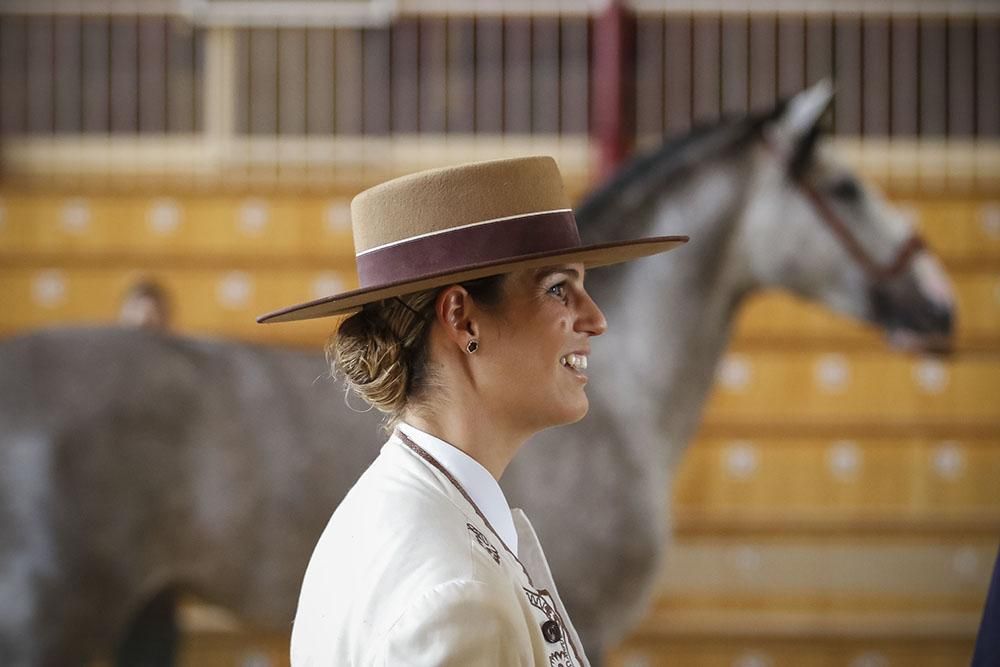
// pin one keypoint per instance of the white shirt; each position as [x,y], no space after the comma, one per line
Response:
[481,486]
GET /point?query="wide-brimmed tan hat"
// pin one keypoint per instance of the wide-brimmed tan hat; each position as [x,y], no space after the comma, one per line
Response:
[450,225]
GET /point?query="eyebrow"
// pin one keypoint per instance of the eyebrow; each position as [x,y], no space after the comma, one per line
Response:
[543,273]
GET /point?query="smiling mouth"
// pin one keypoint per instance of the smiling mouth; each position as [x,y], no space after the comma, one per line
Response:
[576,362]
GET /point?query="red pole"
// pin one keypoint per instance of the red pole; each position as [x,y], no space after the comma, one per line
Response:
[613,92]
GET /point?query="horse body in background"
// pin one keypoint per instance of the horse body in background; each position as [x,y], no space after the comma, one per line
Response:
[135,464]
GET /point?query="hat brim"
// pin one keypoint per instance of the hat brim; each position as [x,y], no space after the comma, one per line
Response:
[601,254]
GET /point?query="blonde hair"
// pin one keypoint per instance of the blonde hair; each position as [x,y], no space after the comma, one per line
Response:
[382,350]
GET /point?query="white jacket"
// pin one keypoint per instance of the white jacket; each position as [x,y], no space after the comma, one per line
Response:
[410,572]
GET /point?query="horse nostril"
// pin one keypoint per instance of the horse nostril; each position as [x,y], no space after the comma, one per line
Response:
[880,304]
[906,308]
[943,319]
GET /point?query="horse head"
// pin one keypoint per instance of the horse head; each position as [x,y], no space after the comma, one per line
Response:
[828,236]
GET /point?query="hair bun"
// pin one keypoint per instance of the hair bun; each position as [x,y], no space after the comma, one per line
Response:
[382,350]
[371,357]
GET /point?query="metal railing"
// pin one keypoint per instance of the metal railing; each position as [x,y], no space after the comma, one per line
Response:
[162,86]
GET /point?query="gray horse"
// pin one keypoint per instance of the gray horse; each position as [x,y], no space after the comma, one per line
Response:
[767,206]
[135,465]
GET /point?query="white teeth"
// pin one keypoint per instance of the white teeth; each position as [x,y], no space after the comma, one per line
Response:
[577,361]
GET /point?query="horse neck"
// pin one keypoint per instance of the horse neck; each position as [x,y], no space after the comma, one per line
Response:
[670,318]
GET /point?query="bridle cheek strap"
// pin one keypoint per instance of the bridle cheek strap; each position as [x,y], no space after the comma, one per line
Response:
[876,273]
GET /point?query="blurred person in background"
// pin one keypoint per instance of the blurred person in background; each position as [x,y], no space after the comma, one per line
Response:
[146,305]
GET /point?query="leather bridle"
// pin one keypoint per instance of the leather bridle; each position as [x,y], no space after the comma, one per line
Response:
[876,273]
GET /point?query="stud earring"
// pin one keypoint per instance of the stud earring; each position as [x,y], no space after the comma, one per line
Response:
[472,346]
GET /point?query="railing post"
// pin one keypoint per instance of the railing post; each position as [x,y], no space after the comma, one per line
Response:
[613,91]
[219,92]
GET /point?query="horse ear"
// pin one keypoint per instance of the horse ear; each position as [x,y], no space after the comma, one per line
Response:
[801,114]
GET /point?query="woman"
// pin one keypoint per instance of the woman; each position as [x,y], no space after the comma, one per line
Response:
[470,332]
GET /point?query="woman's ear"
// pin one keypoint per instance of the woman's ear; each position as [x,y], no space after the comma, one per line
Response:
[454,310]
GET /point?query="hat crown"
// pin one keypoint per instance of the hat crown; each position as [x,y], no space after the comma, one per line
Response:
[452,197]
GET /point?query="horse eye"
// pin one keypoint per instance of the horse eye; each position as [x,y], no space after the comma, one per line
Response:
[846,189]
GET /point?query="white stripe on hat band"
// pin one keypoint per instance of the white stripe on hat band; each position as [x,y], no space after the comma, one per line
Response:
[451,229]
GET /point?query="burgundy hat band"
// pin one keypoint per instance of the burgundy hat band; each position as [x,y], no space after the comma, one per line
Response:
[459,248]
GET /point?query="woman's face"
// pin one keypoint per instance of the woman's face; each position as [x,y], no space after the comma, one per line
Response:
[535,344]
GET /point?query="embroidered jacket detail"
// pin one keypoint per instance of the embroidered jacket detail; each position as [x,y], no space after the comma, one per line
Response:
[551,613]
[559,659]
[538,601]
[484,543]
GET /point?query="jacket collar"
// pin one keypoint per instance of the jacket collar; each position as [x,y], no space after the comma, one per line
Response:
[526,533]
[477,482]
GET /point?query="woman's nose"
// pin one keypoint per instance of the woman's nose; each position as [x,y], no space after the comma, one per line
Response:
[591,318]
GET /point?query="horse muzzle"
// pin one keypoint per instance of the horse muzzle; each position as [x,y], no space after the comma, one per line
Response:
[916,308]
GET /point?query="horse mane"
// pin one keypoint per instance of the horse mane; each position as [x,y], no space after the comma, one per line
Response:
[614,203]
